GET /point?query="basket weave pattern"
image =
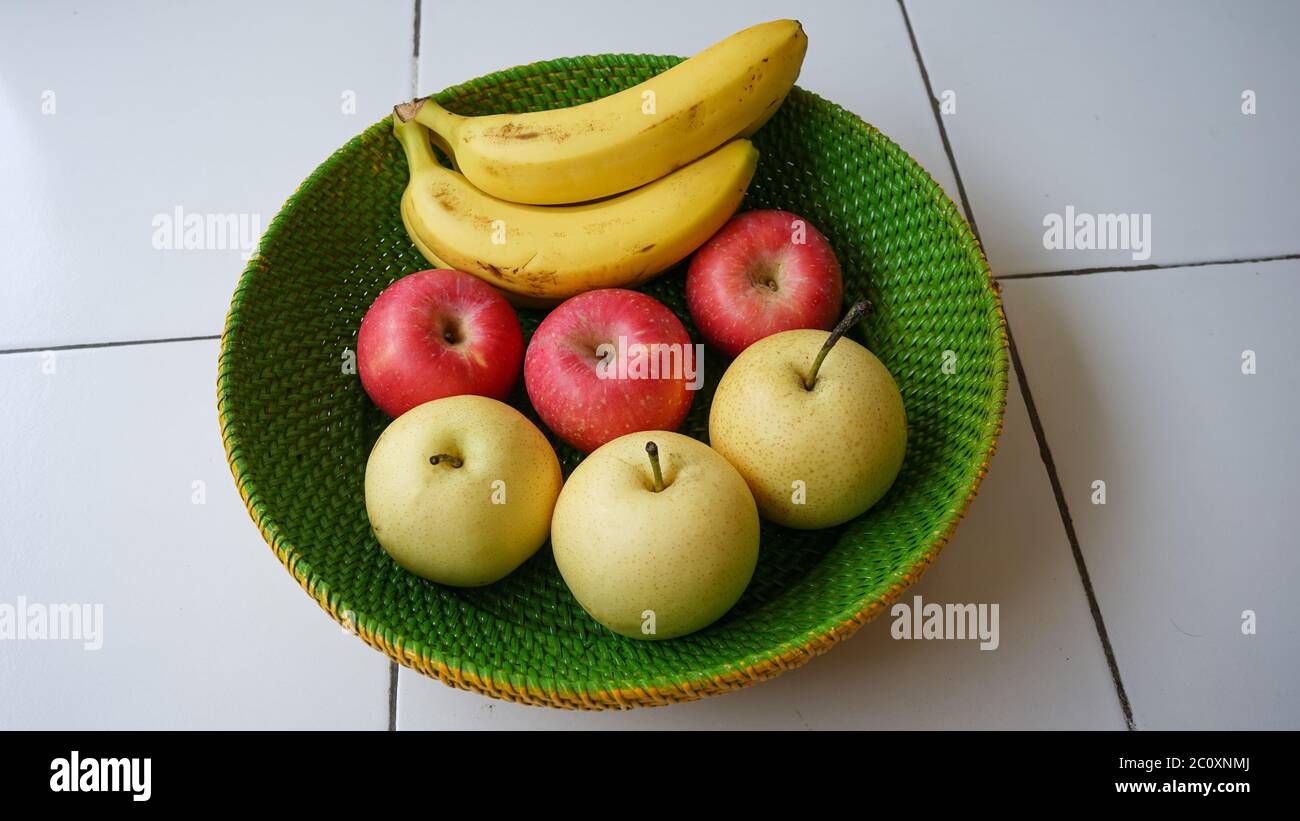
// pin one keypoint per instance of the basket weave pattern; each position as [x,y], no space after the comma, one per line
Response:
[298,427]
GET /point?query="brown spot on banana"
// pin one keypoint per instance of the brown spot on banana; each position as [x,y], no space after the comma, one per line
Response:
[445,198]
[492,270]
[515,131]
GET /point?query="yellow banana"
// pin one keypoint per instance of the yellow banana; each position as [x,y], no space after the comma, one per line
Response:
[546,253]
[519,300]
[627,139]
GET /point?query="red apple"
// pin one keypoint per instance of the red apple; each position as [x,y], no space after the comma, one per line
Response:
[611,362]
[438,333]
[763,273]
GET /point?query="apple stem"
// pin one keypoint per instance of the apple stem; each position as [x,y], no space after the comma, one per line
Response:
[439,458]
[856,312]
[653,449]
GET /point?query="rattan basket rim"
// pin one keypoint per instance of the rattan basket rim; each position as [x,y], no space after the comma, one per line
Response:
[759,666]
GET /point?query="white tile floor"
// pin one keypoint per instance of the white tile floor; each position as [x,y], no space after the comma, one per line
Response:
[1139,383]
[117,117]
[112,117]
[1115,107]
[116,492]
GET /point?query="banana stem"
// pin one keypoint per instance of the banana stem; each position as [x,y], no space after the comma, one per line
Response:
[415,142]
[434,117]
[442,124]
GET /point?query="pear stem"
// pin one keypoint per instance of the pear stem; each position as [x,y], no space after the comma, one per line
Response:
[856,312]
[441,458]
[653,449]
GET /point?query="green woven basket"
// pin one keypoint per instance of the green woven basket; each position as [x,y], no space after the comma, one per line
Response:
[298,427]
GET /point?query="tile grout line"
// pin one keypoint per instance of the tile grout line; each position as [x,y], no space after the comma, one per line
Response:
[1067,520]
[1154,267]
[1035,422]
[79,346]
[392,696]
[938,120]
[970,217]
[415,52]
[394,671]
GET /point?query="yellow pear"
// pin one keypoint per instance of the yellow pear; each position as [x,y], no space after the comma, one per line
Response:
[655,534]
[460,490]
[814,422]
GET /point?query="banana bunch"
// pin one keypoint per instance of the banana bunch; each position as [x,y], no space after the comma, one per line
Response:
[545,254]
[549,204]
[627,139]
